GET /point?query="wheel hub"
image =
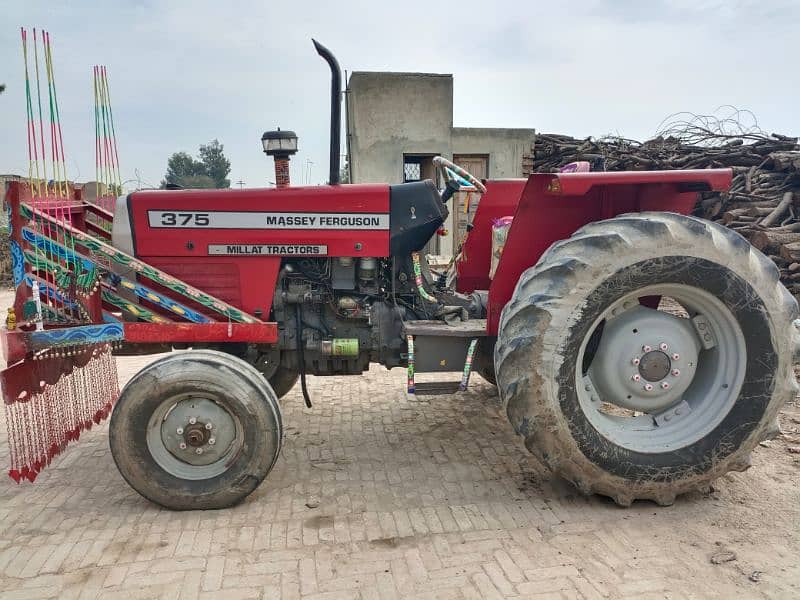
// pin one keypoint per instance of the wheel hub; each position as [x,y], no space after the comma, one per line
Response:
[654,365]
[197,435]
[197,431]
[645,360]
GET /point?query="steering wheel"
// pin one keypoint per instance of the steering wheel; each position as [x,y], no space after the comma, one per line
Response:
[444,165]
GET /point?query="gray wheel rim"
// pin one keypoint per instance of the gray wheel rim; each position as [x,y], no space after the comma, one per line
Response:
[194,437]
[679,376]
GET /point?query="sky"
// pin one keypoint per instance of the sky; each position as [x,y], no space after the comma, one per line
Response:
[183,72]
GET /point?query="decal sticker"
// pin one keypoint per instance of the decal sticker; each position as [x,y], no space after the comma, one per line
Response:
[268,249]
[265,220]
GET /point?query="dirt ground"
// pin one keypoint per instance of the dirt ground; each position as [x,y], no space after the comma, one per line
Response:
[381,495]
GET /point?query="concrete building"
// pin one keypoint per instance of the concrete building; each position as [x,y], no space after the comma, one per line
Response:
[397,123]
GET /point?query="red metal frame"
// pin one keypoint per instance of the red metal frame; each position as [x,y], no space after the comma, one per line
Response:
[144,333]
[552,207]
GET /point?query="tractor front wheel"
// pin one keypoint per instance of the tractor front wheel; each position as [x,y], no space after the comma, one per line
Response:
[647,355]
[196,430]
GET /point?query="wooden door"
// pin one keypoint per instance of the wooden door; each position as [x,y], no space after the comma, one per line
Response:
[478,165]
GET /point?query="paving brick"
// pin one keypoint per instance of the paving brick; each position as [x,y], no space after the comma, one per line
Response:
[419,498]
[212,578]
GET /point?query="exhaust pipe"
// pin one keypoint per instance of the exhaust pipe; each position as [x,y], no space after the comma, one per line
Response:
[336,110]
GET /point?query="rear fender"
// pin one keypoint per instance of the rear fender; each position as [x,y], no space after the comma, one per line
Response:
[553,206]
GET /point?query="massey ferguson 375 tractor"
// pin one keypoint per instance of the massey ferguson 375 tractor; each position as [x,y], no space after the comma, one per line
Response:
[639,352]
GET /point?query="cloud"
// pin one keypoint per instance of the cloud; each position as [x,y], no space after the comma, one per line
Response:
[184,72]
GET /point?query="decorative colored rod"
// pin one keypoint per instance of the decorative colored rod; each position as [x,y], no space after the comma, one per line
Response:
[96,134]
[53,138]
[33,151]
[468,365]
[60,137]
[39,102]
[113,131]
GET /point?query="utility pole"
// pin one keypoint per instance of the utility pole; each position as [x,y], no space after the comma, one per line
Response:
[307,174]
[240,183]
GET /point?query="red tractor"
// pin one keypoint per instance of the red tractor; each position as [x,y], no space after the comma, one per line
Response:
[639,352]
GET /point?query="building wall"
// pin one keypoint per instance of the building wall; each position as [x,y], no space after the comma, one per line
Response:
[504,147]
[390,114]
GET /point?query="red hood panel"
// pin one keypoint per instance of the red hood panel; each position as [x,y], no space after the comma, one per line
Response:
[343,220]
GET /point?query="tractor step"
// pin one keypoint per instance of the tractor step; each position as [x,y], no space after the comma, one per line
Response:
[472,328]
[431,388]
[436,388]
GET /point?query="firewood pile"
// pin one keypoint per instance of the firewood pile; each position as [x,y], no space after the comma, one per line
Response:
[5,259]
[763,203]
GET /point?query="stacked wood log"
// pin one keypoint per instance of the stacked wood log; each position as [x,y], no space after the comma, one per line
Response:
[763,203]
[5,259]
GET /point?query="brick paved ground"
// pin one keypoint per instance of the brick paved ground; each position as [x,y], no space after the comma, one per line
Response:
[417,498]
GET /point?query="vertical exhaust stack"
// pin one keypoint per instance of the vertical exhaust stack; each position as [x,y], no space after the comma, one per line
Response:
[336,110]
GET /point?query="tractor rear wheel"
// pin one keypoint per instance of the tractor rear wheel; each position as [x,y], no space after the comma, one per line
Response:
[647,355]
[196,430]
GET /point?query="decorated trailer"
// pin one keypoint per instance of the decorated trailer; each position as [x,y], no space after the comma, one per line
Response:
[639,352]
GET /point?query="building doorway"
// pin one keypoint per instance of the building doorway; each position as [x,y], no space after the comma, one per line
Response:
[464,203]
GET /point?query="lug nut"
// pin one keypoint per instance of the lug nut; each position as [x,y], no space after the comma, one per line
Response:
[635,362]
[198,451]
[648,387]
[212,441]
[646,348]
[636,377]
[182,446]
[179,431]
[664,385]
[676,356]
[208,426]
[192,420]
[663,347]
[676,372]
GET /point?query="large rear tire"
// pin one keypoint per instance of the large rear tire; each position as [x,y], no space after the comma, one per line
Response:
[196,430]
[631,402]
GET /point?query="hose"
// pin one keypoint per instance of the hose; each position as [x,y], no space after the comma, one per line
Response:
[301,361]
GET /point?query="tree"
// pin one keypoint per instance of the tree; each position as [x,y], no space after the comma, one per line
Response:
[180,168]
[216,165]
[209,170]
